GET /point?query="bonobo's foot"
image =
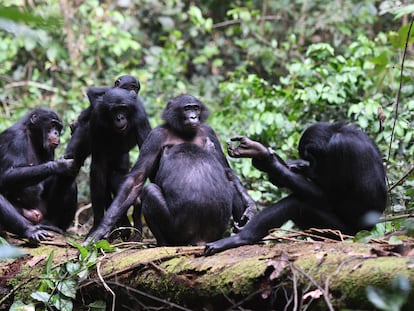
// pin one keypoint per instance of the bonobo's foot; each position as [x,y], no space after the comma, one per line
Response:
[223,244]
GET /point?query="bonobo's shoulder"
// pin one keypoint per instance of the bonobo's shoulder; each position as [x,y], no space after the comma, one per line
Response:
[159,132]
[207,128]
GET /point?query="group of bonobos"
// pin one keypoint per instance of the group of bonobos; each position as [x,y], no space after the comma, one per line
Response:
[193,195]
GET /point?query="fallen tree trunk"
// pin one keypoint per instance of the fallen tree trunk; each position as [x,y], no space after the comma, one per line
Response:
[276,276]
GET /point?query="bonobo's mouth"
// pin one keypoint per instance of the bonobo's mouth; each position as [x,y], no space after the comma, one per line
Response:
[121,129]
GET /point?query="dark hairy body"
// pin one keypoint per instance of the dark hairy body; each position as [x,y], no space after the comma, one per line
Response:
[29,174]
[193,191]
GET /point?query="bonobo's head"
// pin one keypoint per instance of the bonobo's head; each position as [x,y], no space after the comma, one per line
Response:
[331,147]
[117,108]
[44,127]
[128,83]
[184,114]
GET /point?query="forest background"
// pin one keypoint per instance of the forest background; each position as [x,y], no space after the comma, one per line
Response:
[266,69]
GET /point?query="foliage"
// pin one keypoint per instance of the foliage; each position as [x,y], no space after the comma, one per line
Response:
[58,285]
[8,251]
[266,69]
[392,299]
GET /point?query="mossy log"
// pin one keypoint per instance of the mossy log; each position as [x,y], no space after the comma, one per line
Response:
[270,276]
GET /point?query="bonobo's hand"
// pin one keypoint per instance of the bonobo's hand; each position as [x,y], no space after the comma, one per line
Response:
[36,234]
[247,148]
[63,166]
[247,215]
[96,234]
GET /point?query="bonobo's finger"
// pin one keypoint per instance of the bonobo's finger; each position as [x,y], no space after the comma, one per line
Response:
[36,234]
[209,250]
[234,152]
[237,138]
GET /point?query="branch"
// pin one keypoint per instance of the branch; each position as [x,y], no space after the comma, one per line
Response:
[399,89]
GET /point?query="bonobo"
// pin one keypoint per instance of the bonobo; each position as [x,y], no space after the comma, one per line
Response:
[28,172]
[193,191]
[339,183]
[108,129]
[79,146]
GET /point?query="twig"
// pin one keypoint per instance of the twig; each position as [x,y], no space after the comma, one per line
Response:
[399,89]
[134,290]
[35,84]
[323,291]
[402,179]
[98,270]
[308,234]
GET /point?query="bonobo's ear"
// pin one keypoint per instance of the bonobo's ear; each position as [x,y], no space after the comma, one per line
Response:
[33,118]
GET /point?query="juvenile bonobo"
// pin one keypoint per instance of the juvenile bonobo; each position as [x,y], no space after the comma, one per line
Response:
[28,173]
[193,191]
[339,183]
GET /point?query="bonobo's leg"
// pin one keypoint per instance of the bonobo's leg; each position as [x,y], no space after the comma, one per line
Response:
[156,213]
[136,216]
[61,194]
[292,208]
[13,221]
[99,189]
[117,176]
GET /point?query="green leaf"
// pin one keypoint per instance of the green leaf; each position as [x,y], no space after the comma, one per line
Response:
[395,240]
[376,297]
[20,306]
[9,251]
[49,263]
[15,14]
[105,245]
[98,305]
[404,10]
[41,296]
[68,288]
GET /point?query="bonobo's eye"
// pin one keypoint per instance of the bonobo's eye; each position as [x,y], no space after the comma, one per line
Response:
[192,107]
[133,88]
[56,125]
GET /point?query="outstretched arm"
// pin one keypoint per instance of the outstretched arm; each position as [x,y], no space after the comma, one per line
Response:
[19,177]
[291,175]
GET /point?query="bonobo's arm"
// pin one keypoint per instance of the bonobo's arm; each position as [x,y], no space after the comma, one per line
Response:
[130,189]
[278,170]
[95,92]
[250,204]
[19,177]
[141,122]
[14,222]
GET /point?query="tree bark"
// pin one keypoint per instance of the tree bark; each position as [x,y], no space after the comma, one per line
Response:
[270,276]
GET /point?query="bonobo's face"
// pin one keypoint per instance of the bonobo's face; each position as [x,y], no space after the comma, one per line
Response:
[52,134]
[128,83]
[45,127]
[191,116]
[120,119]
